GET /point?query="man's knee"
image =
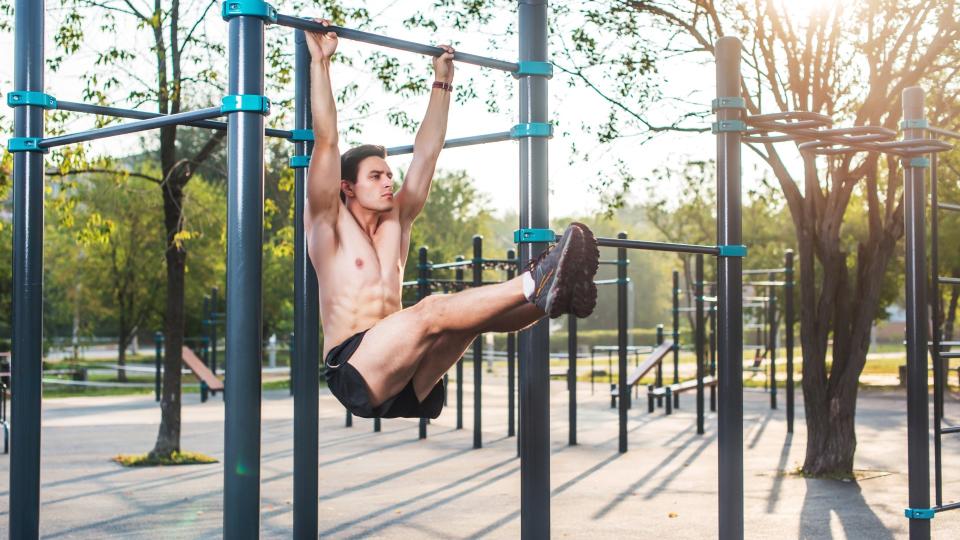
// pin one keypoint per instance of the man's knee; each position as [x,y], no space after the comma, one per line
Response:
[429,315]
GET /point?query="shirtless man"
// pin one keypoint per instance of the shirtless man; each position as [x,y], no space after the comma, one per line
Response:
[384,361]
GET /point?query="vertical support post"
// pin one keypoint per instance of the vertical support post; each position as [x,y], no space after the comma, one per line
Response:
[423,291]
[676,334]
[214,319]
[459,278]
[572,378]
[477,347]
[730,297]
[305,368]
[658,380]
[774,326]
[157,364]
[241,493]
[918,428]
[623,393]
[205,358]
[511,360]
[939,371]
[788,321]
[700,338]
[26,356]
[534,342]
[712,342]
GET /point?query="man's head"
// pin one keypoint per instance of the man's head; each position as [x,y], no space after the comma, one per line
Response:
[366,178]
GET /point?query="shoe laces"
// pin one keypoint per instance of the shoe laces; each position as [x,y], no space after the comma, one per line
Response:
[532,263]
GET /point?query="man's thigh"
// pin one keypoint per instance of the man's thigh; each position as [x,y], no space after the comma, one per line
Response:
[389,354]
[446,349]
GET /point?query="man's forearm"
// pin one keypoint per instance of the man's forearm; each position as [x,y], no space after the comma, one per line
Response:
[433,129]
[322,103]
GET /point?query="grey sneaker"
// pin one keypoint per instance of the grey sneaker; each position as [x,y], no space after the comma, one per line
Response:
[563,274]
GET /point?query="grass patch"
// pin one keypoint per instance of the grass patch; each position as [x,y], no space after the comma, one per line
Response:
[177,458]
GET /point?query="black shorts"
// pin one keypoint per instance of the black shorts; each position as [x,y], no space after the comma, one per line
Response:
[346,383]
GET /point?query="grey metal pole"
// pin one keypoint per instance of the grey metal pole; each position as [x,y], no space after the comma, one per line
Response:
[305,370]
[132,127]
[772,320]
[572,378]
[676,334]
[788,328]
[26,359]
[214,302]
[241,493]
[700,339]
[534,342]
[459,277]
[729,297]
[918,428]
[623,394]
[511,361]
[472,140]
[477,348]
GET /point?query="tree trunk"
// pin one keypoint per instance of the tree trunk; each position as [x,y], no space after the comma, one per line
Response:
[122,351]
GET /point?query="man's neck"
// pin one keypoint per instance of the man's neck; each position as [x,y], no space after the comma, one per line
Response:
[369,220]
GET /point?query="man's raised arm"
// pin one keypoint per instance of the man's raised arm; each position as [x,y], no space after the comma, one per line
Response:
[323,176]
[429,141]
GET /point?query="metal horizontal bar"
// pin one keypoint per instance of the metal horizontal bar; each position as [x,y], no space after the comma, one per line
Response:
[765,283]
[948,280]
[613,281]
[73,106]
[749,271]
[946,343]
[657,246]
[456,143]
[132,127]
[950,429]
[948,206]
[949,354]
[308,25]
[944,132]
[455,264]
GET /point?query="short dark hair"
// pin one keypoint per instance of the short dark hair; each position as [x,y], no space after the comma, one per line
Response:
[350,162]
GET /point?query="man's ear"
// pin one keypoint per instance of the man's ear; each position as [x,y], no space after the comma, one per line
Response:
[347,188]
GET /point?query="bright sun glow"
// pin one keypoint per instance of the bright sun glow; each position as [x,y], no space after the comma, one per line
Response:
[801,11]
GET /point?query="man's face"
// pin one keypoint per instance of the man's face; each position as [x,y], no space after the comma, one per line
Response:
[374,187]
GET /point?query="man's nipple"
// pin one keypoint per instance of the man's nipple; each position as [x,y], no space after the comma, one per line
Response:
[358,262]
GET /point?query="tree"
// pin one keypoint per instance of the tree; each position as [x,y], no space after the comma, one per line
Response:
[850,61]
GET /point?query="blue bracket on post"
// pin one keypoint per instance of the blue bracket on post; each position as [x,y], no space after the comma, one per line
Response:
[728,103]
[918,123]
[920,162]
[302,135]
[22,98]
[535,129]
[919,513]
[246,103]
[527,236]
[533,68]
[726,126]
[25,144]
[299,162]
[249,8]
[732,251]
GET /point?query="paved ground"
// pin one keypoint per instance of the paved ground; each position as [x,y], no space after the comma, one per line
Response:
[391,485]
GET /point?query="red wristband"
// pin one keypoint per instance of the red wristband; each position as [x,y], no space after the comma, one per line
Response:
[443,86]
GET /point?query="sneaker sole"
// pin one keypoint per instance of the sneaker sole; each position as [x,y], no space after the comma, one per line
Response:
[573,288]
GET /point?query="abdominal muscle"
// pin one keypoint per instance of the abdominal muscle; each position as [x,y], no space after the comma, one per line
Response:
[346,310]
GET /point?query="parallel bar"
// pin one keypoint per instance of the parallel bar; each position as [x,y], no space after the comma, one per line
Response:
[456,143]
[936,334]
[950,429]
[918,446]
[534,213]
[946,280]
[676,335]
[772,321]
[132,127]
[423,291]
[623,393]
[477,350]
[788,327]
[729,310]
[75,106]
[26,356]
[944,132]
[755,271]
[658,246]
[700,340]
[572,379]
[944,508]
[948,206]
[393,43]
[305,370]
[241,490]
